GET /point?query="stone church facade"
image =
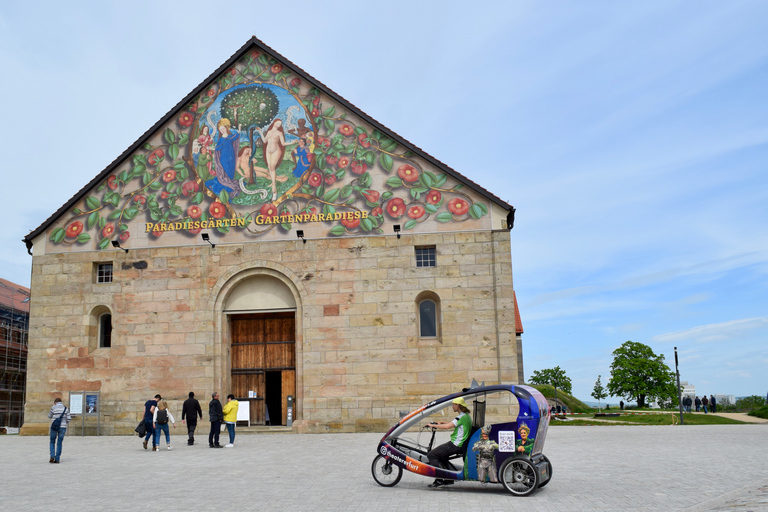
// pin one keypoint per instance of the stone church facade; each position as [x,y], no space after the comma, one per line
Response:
[268,239]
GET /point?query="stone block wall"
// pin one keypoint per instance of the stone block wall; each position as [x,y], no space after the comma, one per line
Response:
[360,360]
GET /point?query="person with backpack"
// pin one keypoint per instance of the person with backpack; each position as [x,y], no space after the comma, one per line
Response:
[61,418]
[160,423]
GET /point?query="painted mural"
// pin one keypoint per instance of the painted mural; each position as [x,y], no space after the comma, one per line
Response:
[263,153]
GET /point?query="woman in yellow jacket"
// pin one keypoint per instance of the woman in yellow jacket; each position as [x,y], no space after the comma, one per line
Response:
[230,418]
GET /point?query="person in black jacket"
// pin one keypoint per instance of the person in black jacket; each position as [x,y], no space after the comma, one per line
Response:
[216,415]
[190,410]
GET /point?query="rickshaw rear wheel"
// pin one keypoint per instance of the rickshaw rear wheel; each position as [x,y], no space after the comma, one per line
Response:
[519,476]
[549,471]
[385,473]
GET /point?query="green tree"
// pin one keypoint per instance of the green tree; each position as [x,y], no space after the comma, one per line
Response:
[639,374]
[554,377]
[599,393]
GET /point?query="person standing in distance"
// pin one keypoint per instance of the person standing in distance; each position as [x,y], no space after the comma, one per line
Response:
[216,416]
[230,418]
[60,417]
[190,410]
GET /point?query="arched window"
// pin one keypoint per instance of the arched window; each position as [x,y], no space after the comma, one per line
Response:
[105,330]
[428,315]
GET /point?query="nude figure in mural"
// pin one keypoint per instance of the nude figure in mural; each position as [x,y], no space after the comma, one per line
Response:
[274,150]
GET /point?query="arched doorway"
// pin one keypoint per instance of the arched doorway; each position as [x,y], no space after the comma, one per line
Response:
[261,312]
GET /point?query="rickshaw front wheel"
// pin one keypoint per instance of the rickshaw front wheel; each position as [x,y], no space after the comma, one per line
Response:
[385,473]
[519,476]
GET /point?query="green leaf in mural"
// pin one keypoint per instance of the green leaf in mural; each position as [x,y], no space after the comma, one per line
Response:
[444,217]
[140,159]
[92,203]
[365,179]
[123,176]
[338,230]
[475,212]
[440,181]
[345,191]
[483,208]
[183,139]
[184,173]
[115,214]
[388,145]
[58,235]
[173,151]
[93,218]
[285,225]
[359,130]
[131,212]
[76,211]
[102,222]
[410,224]
[458,187]
[224,196]
[83,237]
[123,227]
[430,208]
[328,209]
[370,159]
[394,182]
[171,186]
[197,199]
[115,200]
[386,162]
[377,134]
[331,195]
[176,210]
[386,195]
[329,112]
[169,136]
[104,243]
[329,125]
[146,178]
[366,224]
[156,185]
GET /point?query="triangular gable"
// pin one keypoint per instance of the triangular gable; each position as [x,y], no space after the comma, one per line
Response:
[259,150]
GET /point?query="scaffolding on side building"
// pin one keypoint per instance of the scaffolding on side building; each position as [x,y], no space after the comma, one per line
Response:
[14,329]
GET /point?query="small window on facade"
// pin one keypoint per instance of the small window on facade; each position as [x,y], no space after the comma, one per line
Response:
[105,331]
[427,319]
[104,273]
[425,256]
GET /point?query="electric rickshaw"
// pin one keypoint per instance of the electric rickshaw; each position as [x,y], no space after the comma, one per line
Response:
[507,453]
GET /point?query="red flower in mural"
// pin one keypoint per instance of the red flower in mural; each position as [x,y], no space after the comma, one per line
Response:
[316,100]
[315,112]
[140,199]
[111,182]
[108,230]
[315,179]
[407,173]
[377,211]
[193,107]
[330,179]
[169,175]
[254,54]
[458,206]
[324,142]
[343,162]
[331,160]
[359,167]
[363,139]
[186,119]
[125,235]
[350,223]
[371,195]
[416,212]
[346,130]
[74,229]
[217,210]
[232,71]
[155,157]
[194,231]
[189,187]
[277,68]
[268,210]
[434,197]
[194,211]
[396,207]
[295,82]
[157,233]
[164,195]
[211,93]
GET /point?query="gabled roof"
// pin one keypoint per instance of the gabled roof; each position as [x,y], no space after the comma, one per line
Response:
[518,321]
[12,296]
[255,43]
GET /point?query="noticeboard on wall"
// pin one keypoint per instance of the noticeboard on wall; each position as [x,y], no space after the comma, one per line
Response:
[75,403]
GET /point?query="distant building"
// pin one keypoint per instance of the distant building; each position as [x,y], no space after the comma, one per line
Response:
[725,399]
[688,389]
[14,325]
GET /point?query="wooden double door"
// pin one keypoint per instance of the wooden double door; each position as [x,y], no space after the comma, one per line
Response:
[264,361]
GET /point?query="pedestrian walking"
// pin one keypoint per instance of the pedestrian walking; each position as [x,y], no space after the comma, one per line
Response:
[230,418]
[621,405]
[704,403]
[712,404]
[189,413]
[160,423]
[216,416]
[698,404]
[60,417]
[149,413]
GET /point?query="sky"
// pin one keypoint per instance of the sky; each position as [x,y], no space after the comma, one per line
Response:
[631,137]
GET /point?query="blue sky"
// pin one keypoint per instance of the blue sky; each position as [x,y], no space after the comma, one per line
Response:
[632,137]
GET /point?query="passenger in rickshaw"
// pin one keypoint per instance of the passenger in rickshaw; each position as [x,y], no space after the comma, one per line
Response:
[462,427]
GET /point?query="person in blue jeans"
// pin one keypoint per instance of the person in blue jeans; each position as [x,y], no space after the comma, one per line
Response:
[58,410]
[160,423]
[149,413]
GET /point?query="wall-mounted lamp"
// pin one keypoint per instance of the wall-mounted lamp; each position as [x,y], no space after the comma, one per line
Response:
[300,234]
[207,238]
[116,245]
[396,227]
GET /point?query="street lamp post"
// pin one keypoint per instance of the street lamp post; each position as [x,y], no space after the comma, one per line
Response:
[679,392]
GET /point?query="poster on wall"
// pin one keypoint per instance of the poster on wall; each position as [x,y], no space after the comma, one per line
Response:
[76,403]
[91,404]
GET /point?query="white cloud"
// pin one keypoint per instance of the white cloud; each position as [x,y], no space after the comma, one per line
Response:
[714,332]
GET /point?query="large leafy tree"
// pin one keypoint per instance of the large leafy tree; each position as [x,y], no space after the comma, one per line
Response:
[554,377]
[639,374]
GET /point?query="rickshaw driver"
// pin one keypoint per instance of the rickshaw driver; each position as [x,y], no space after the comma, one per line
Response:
[462,426]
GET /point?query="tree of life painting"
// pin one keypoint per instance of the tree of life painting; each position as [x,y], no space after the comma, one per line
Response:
[259,150]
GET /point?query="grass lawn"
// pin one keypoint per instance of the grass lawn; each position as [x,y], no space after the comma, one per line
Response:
[666,419]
